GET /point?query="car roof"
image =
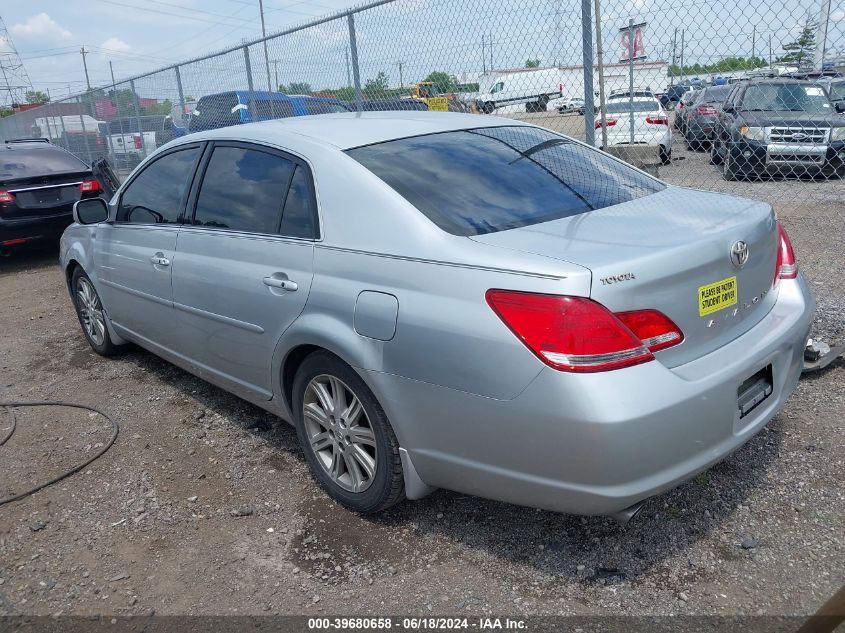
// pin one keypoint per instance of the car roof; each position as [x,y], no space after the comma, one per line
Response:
[348,130]
[270,96]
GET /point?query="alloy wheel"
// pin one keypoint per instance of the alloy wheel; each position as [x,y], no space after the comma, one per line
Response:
[90,311]
[339,433]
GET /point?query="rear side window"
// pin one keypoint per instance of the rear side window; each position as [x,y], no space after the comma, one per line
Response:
[22,162]
[271,109]
[156,195]
[298,218]
[243,190]
[484,180]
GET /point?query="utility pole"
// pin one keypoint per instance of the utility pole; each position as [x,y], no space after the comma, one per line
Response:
[754,43]
[483,56]
[276,68]
[770,54]
[821,34]
[674,57]
[348,75]
[401,81]
[83,52]
[264,36]
[683,32]
[491,52]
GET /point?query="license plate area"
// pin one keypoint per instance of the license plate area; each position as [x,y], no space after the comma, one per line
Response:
[754,390]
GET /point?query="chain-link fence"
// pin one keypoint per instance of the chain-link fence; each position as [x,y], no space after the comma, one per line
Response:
[708,94]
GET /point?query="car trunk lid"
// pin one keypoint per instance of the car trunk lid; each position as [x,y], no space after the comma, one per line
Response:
[670,251]
[43,195]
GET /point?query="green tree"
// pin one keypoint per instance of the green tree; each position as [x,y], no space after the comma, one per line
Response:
[36,96]
[801,51]
[532,63]
[295,88]
[377,86]
[164,107]
[125,101]
[443,82]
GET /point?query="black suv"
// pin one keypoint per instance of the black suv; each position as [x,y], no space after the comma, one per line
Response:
[39,183]
[779,126]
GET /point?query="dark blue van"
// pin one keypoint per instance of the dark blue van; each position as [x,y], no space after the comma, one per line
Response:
[242,106]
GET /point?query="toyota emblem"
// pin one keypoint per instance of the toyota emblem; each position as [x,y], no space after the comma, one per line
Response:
[739,254]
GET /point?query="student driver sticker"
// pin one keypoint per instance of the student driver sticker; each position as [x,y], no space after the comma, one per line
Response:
[717,296]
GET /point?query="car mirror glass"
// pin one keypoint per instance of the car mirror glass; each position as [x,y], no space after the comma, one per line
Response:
[91,211]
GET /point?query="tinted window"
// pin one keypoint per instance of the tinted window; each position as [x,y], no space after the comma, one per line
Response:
[243,190]
[299,213]
[837,91]
[271,109]
[25,162]
[323,107]
[391,104]
[155,196]
[491,179]
[716,94]
[215,111]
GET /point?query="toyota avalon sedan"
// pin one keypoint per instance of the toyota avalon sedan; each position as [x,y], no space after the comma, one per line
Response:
[454,301]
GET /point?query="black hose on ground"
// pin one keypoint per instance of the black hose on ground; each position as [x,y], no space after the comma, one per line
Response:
[10,407]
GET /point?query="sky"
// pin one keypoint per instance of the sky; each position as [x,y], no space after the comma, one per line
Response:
[405,40]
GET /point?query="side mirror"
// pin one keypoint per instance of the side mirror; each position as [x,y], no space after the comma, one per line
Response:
[90,211]
[840,106]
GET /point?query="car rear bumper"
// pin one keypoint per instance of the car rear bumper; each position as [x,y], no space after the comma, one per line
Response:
[31,229]
[598,443]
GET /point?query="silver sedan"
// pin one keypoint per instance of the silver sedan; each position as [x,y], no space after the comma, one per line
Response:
[450,300]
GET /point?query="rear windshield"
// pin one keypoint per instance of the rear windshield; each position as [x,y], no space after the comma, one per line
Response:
[716,94]
[483,180]
[624,105]
[323,107]
[23,162]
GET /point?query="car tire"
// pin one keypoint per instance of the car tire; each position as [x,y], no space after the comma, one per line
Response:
[488,108]
[91,315]
[715,156]
[350,448]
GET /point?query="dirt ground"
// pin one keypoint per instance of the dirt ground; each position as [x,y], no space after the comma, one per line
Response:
[204,504]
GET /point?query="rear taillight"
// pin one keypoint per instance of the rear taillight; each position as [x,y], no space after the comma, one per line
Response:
[704,110]
[100,141]
[610,123]
[653,328]
[657,120]
[5,196]
[786,267]
[136,138]
[573,334]
[89,186]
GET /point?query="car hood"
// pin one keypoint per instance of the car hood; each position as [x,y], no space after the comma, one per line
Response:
[794,119]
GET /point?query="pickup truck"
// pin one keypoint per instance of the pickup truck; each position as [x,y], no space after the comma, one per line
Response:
[127,143]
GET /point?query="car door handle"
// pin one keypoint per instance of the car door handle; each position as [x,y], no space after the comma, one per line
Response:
[280,282]
[160,260]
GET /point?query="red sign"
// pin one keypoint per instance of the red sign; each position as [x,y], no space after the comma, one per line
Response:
[638,45]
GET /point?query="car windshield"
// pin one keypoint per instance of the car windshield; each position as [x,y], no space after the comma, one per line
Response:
[621,106]
[775,97]
[24,162]
[483,180]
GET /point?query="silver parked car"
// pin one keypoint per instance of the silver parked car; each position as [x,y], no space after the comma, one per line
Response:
[450,300]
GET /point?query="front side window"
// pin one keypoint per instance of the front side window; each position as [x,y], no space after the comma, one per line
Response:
[837,91]
[157,194]
[498,87]
[243,190]
[484,180]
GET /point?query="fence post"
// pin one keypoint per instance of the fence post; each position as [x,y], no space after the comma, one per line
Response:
[181,97]
[631,74]
[135,99]
[353,49]
[587,54]
[249,84]
[84,133]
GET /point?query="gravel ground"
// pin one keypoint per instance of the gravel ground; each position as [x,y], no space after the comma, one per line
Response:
[205,506]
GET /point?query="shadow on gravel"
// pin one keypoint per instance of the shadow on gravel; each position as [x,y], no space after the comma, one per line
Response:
[559,546]
[30,258]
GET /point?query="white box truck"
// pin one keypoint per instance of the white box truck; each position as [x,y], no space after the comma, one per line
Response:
[532,87]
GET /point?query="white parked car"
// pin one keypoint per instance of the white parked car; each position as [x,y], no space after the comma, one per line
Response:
[651,124]
[567,104]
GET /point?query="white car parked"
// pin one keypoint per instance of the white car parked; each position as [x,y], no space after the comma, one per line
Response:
[651,124]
